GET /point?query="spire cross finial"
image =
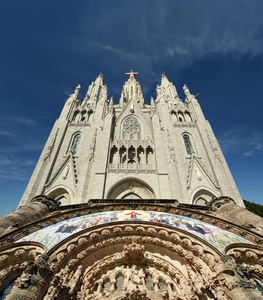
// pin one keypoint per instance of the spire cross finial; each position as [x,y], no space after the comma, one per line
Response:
[131,74]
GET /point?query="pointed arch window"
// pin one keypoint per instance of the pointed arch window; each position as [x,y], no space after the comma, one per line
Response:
[75,144]
[188,145]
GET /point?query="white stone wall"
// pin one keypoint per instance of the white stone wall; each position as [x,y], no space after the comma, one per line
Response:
[172,174]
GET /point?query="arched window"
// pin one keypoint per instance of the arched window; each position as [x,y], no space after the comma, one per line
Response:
[149,155]
[83,115]
[173,116]
[75,144]
[140,155]
[89,115]
[113,155]
[131,155]
[123,155]
[188,117]
[76,113]
[181,117]
[187,143]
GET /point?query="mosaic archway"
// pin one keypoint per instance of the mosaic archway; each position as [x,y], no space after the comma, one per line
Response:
[136,254]
[215,236]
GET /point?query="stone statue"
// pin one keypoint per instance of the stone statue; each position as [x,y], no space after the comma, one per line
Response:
[73,282]
[74,96]
[25,279]
[136,279]
[131,73]
[189,96]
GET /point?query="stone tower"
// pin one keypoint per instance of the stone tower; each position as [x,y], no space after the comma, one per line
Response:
[165,150]
[149,209]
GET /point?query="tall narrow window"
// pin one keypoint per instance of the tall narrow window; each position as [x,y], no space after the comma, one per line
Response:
[187,143]
[76,113]
[75,144]
[83,115]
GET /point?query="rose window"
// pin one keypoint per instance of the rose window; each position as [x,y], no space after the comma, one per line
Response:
[131,128]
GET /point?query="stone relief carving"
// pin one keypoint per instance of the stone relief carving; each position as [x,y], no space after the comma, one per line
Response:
[51,146]
[74,96]
[92,147]
[140,268]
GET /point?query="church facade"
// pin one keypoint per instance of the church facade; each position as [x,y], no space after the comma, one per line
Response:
[131,201]
[165,150]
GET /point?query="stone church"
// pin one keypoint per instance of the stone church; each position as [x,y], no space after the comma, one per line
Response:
[131,201]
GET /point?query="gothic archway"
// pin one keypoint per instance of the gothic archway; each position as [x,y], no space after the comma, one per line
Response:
[203,196]
[132,261]
[61,194]
[131,186]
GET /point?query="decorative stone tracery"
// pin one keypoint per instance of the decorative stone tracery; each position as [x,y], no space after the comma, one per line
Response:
[134,260]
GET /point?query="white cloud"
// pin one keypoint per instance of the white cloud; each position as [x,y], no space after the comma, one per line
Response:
[21,120]
[240,140]
[4,132]
[15,168]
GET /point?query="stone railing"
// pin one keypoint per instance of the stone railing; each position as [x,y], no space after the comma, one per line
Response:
[134,166]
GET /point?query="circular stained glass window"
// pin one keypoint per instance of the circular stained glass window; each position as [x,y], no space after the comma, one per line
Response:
[131,127]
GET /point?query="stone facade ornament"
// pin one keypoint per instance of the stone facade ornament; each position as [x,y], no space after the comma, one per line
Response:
[121,233]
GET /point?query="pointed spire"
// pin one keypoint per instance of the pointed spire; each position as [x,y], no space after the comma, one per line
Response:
[99,79]
[111,101]
[164,79]
[152,102]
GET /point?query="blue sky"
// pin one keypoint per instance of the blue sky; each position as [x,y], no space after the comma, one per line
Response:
[48,47]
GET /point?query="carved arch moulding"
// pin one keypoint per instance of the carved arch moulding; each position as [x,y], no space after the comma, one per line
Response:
[135,260]
[138,261]
[16,258]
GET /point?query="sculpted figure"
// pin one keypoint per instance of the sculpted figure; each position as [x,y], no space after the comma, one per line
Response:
[54,289]
[136,280]
[189,96]
[25,279]
[75,280]
[74,96]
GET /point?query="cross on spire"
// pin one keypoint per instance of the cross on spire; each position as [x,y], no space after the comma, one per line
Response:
[131,73]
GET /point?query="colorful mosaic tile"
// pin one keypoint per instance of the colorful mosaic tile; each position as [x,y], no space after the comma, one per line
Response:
[53,234]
